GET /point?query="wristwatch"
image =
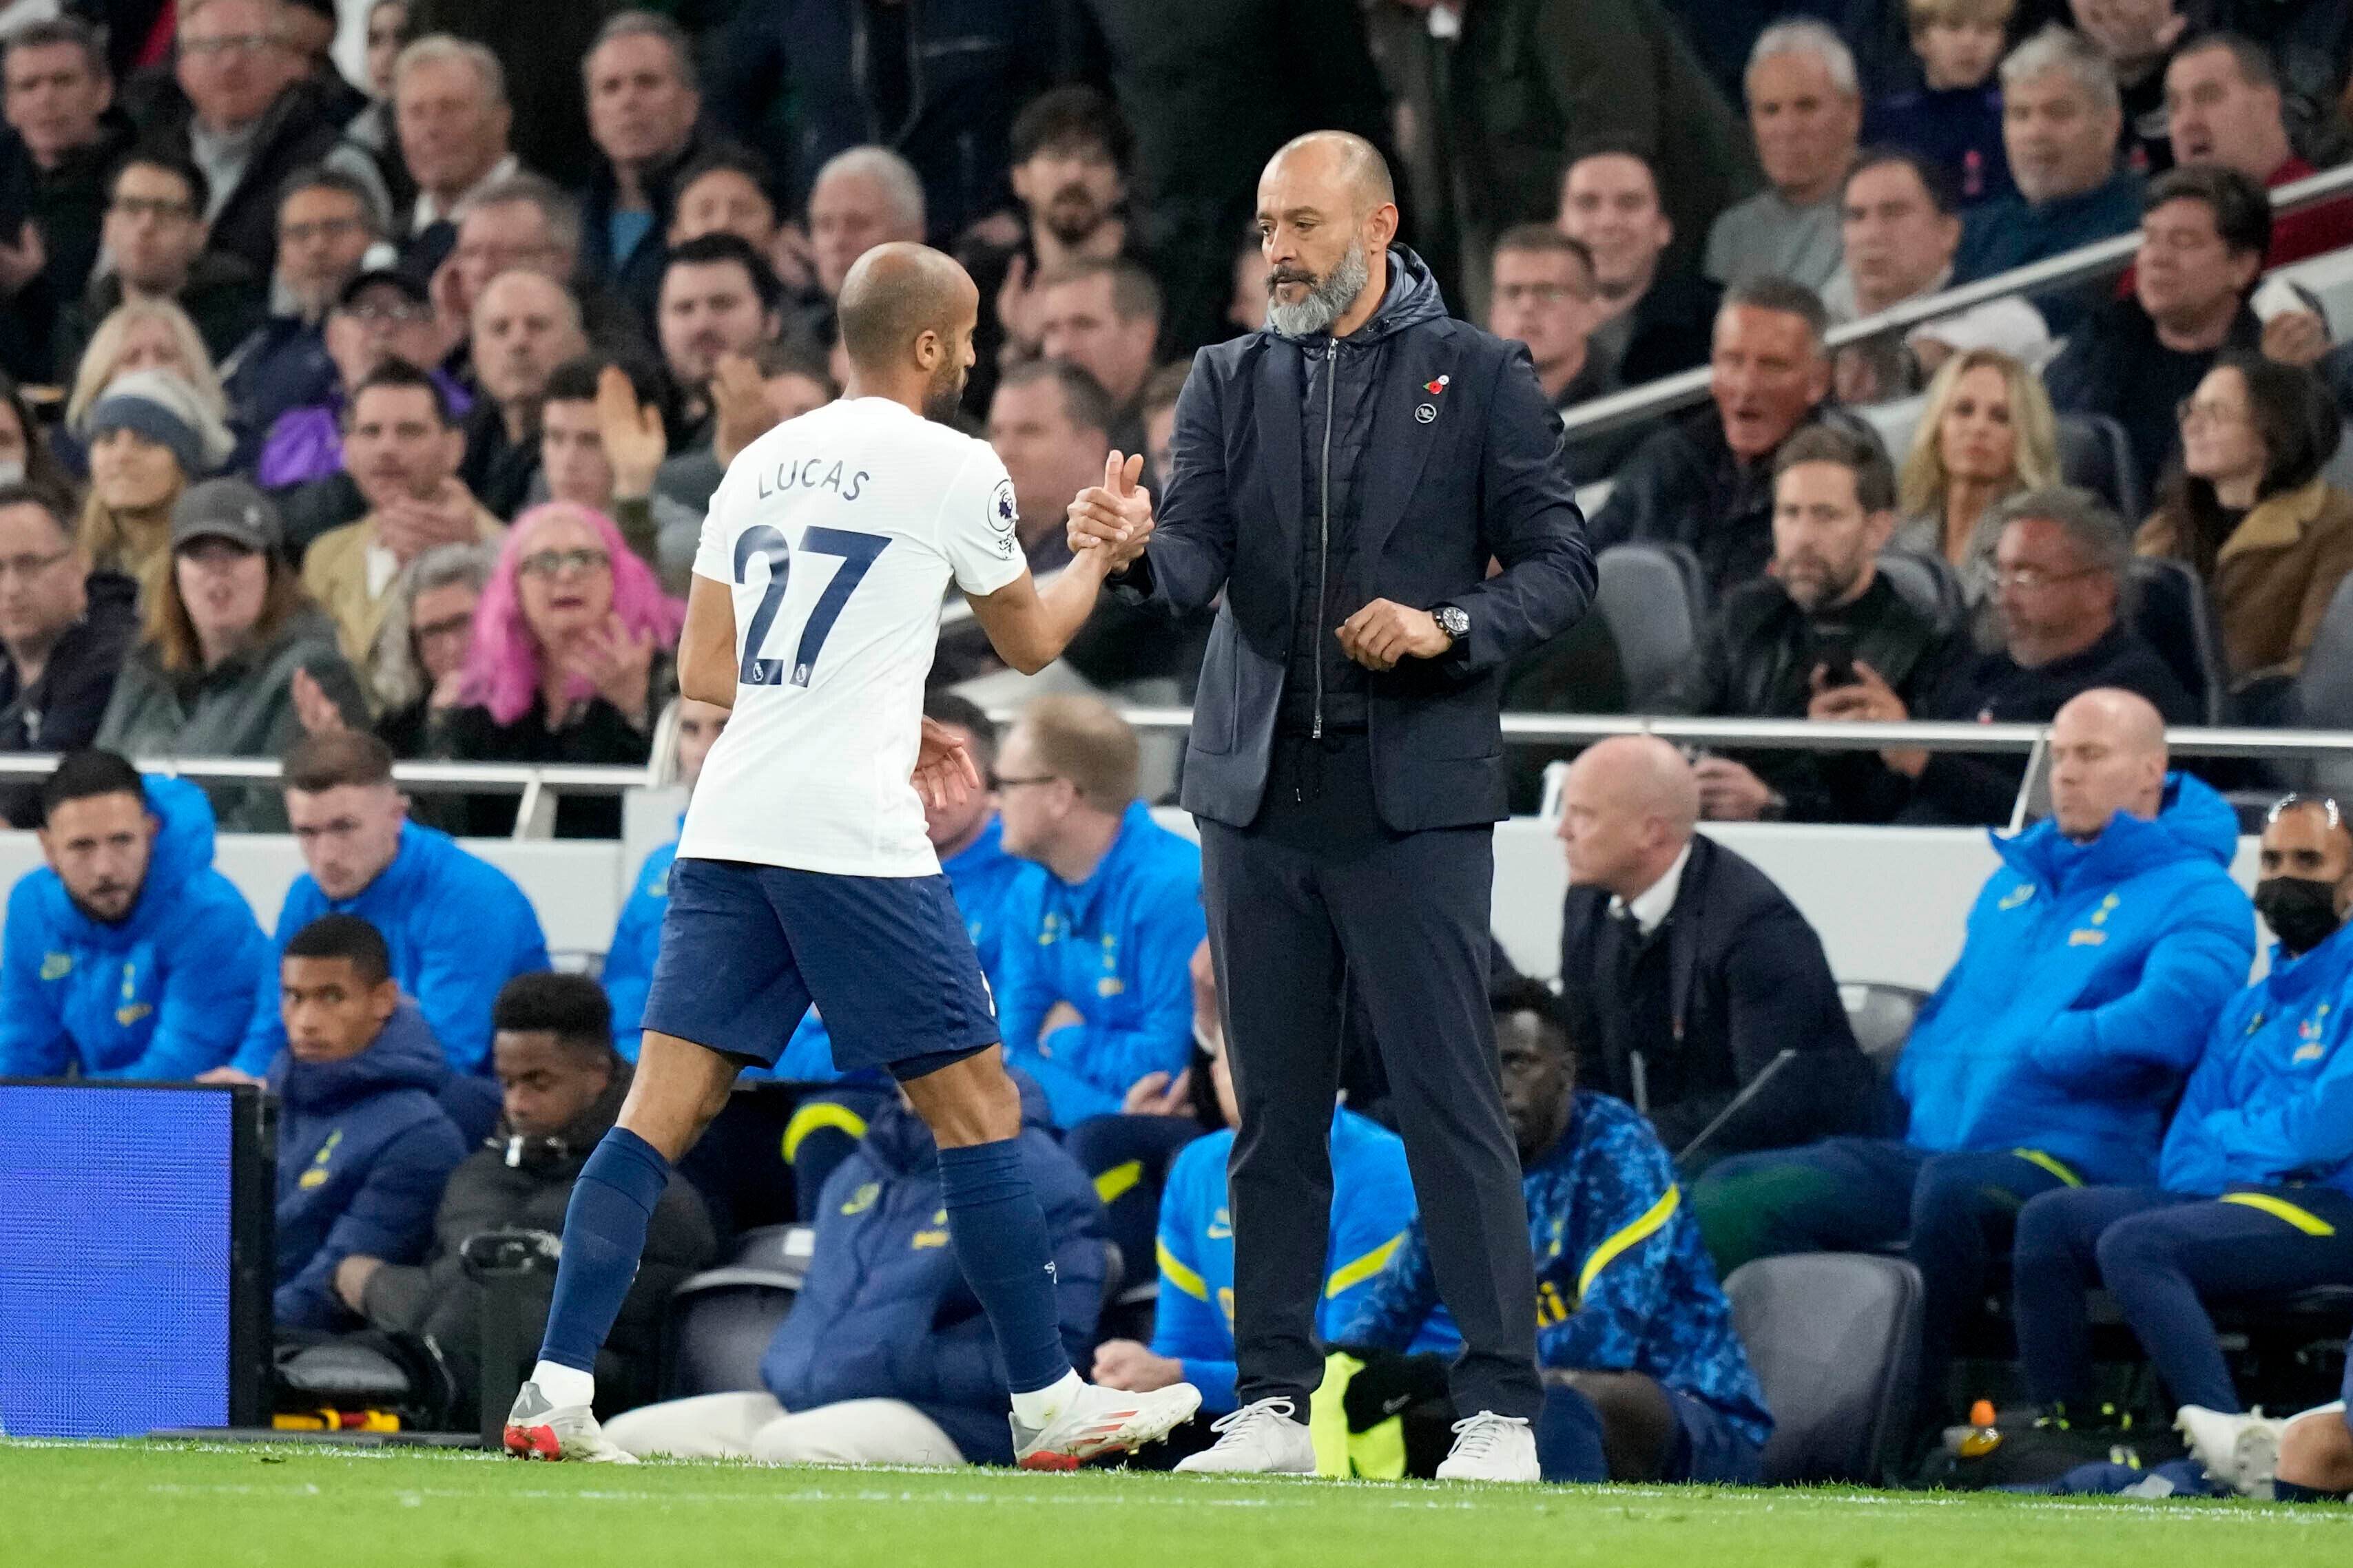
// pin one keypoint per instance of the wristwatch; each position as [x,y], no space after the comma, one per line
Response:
[1452,620]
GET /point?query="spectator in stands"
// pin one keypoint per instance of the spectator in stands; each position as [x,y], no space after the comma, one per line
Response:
[2060,123]
[229,637]
[1096,992]
[751,394]
[2249,510]
[1160,395]
[629,956]
[60,100]
[65,628]
[521,222]
[248,113]
[1645,1379]
[420,651]
[571,663]
[525,324]
[2059,583]
[1050,425]
[1071,152]
[25,454]
[456,928]
[151,437]
[642,107]
[1822,611]
[2096,959]
[1686,971]
[1986,431]
[1953,119]
[1192,1335]
[1705,479]
[138,334]
[1543,296]
[617,477]
[885,1358]
[154,235]
[725,191]
[380,316]
[2253,1194]
[2203,233]
[1654,312]
[1104,318]
[403,450]
[718,298]
[326,223]
[562,1087]
[1805,109]
[2136,37]
[863,198]
[372,128]
[101,979]
[364,1145]
[449,104]
[2222,106]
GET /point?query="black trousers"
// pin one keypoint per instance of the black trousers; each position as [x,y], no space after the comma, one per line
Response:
[1313,896]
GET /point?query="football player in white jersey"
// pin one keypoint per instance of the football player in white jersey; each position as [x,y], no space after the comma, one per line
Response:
[804,873]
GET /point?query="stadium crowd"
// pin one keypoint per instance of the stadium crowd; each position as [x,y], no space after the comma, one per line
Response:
[351,423]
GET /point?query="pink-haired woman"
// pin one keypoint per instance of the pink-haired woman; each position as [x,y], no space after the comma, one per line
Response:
[571,663]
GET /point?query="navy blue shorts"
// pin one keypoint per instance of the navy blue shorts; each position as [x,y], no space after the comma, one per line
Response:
[1710,1448]
[887,960]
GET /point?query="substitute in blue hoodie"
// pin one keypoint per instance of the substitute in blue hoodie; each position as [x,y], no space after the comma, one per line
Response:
[2096,959]
[1096,990]
[364,1146]
[458,927]
[127,956]
[887,1358]
[2253,1194]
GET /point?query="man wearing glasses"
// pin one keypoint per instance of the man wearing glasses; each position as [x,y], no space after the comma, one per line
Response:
[326,222]
[64,630]
[154,248]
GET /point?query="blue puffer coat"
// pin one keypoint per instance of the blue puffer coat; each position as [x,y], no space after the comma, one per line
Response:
[2083,993]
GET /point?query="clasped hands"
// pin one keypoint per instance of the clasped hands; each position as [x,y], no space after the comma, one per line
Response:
[1117,517]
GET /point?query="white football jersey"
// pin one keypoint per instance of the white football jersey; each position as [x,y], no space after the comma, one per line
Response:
[838,533]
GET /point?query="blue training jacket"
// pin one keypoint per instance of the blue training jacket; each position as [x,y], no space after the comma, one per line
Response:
[163,994]
[1119,948]
[1372,1211]
[886,1313]
[1623,1281]
[364,1151]
[459,929]
[2084,990]
[2271,1102]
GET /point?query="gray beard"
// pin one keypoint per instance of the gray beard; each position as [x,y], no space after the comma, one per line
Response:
[1326,302]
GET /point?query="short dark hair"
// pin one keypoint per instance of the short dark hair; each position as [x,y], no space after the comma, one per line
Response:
[320,763]
[346,937]
[2256,67]
[1134,292]
[1508,994]
[1857,454]
[63,30]
[1544,238]
[716,250]
[948,708]
[1068,114]
[150,156]
[399,372]
[2242,213]
[572,1007]
[85,775]
[26,493]
[1782,295]
[1164,386]
[1931,177]
[574,381]
[1085,400]
[319,177]
[733,160]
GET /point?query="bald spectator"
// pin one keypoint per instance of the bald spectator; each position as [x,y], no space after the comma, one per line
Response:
[59,98]
[525,324]
[861,198]
[2223,105]
[2060,117]
[1705,478]
[1104,318]
[2059,580]
[1805,109]
[2097,956]
[1686,972]
[642,109]
[1654,311]
[450,109]
[1050,425]
[718,298]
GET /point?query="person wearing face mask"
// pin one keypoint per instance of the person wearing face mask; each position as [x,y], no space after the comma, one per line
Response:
[2254,1188]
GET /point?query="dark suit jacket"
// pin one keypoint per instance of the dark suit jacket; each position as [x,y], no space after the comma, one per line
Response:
[1747,980]
[1480,478]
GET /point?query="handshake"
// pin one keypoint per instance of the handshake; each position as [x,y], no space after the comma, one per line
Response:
[1115,517]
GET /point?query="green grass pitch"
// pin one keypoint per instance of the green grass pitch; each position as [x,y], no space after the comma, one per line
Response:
[132,1505]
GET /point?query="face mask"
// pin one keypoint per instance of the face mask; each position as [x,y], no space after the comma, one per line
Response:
[2300,912]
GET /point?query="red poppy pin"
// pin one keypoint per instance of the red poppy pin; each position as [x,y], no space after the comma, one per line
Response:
[1435,387]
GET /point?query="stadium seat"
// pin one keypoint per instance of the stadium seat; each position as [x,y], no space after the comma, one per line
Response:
[1928,585]
[2171,610]
[1835,1340]
[1880,1016]
[722,1318]
[2096,453]
[1650,596]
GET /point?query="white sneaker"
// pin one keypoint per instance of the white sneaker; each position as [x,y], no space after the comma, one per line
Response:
[538,1430]
[1262,1438]
[1103,1421]
[1492,1447]
[2241,1452]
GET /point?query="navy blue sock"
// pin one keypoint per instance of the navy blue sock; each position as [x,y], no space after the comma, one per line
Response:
[999,1235]
[1568,1438]
[604,1235]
